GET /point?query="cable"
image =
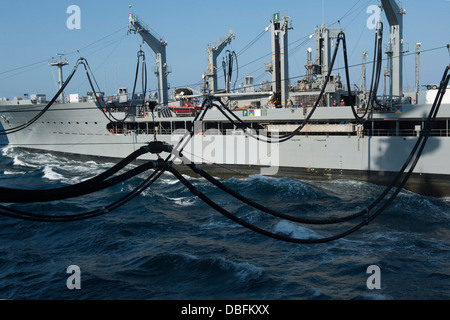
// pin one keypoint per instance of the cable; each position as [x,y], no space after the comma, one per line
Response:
[144,82]
[376,70]
[241,124]
[420,144]
[251,43]
[18,214]
[431,118]
[10,195]
[250,226]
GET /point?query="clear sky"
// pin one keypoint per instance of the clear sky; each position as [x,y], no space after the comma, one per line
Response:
[34,31]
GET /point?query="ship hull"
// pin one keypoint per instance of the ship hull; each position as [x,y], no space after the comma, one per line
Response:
[80,130]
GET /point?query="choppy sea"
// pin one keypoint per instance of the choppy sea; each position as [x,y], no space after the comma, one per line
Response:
[166,244]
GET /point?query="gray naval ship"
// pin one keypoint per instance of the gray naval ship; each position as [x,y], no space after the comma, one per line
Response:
[317,128]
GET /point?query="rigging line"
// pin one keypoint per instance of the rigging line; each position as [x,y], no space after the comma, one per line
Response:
[24,71]
[46,60]
[385,59]
[101,46]
[251,43]
[378,72]
[112,42]
[97,41]
[348,12]
[89,67]
[357,42]
[111,52]
[100,107]
[26,66]
[335,69]
[297,47]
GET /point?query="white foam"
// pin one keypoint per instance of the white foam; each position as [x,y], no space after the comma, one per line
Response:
[51,175]
[168,181]
[294,230]
[184,201]
[5,150]
[18,162]
[13,172]
[244,270]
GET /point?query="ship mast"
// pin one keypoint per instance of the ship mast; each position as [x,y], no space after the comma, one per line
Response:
[417,76]
[280,66]
[54,62]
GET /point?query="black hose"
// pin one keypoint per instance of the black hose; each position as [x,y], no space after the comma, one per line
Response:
[375,75]
[18,214]
[250,226]
[419,147]
[241,124]
[97,183]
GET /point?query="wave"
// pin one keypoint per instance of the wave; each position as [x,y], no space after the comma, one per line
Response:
[285,189]
[183,201]
[295,231]
[52,175]
[196,266]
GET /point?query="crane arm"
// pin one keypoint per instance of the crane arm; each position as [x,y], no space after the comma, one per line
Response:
[392,11]
[213,53]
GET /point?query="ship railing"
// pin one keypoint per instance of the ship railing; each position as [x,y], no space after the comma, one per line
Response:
[367,132]
[144,26]
[404,133]
[168,131]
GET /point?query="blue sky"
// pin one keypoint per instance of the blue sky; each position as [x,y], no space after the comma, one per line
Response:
[34,31]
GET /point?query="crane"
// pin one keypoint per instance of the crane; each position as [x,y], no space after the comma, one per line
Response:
[213,53]
[394,15]
[159,47]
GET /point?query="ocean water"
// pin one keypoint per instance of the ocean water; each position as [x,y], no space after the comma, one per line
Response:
[166,244]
